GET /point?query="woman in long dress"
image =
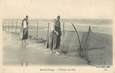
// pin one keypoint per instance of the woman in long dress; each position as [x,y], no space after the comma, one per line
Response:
[24,31]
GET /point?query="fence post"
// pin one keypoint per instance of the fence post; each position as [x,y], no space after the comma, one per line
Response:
[3,26]
[37,29]
[16,27]
[12,25]
[63,34]
[48,36]
[8,25]
[63,29]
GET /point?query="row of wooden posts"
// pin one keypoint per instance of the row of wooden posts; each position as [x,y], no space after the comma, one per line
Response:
[14,26]
[10,27]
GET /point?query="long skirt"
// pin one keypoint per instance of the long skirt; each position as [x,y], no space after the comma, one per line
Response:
[24,34]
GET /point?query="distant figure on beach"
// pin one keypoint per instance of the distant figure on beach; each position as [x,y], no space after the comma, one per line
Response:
[55,35]
[24,31]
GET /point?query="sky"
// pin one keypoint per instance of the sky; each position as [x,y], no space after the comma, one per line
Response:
[52,8]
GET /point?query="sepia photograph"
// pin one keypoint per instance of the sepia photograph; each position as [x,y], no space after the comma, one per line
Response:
[57,32]
[57,41]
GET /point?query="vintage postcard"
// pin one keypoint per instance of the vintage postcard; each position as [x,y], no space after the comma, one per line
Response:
[57,36]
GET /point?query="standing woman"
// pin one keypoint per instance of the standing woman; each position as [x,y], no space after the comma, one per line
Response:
[24,31]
